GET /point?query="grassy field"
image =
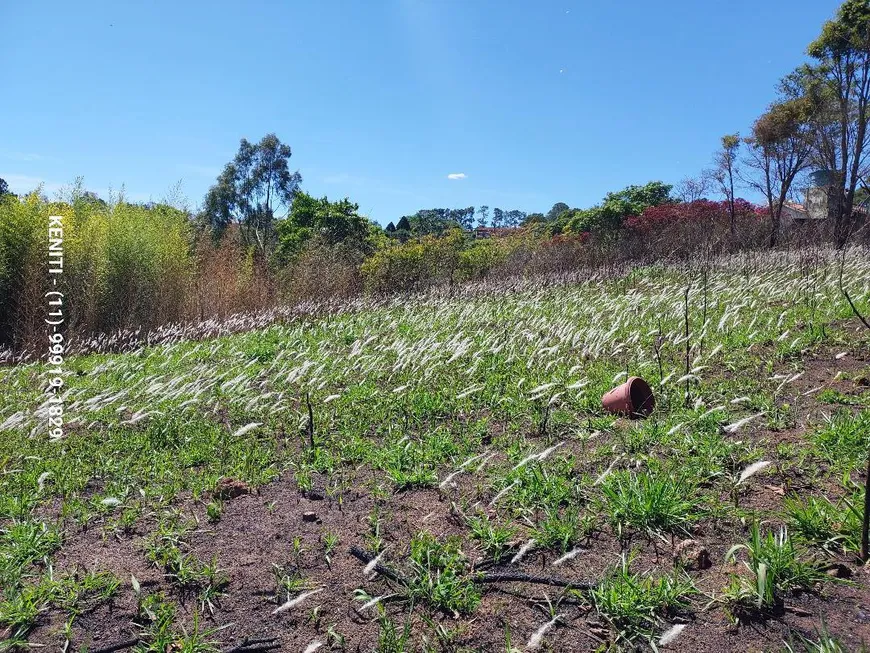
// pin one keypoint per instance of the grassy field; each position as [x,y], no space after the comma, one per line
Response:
[437,473]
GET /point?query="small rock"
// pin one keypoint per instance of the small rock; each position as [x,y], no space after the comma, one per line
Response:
[309,516]
[230,488]
[839,571]
[691,554]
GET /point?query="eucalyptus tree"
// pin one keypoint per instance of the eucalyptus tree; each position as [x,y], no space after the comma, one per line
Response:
[254,190]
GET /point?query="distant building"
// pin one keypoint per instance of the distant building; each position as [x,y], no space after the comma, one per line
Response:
[820,200]
[794,211]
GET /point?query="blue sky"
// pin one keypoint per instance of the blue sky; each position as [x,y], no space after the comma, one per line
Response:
[381,100]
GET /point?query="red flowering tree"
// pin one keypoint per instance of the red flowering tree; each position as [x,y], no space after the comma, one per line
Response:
[682,229]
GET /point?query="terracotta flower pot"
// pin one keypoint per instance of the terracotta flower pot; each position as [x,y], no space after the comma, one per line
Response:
[633,398]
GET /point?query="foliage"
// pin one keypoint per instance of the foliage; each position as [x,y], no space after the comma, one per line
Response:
[688,229]
[703,213]
[725,171]
[555,211]
[776,567]
[415,264]
[635,605]
[779,150]
[435,221]
[326,223]
[404,224]
[124,264]
[252,189]
[838,87]
[609,215]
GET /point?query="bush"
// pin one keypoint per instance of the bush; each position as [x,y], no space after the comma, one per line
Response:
[415,264]
[683,230]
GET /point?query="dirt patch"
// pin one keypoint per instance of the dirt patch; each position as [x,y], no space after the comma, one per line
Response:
[258,530]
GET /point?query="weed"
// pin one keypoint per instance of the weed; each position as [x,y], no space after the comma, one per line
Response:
[559,529]
[823,523]
[845,439]
[653,502]
[635,605]
[775,567]
[823,643]
[440,576]
[330,541]
[390,638]
[335,639]
[287,583]
[213,511]
[493,538]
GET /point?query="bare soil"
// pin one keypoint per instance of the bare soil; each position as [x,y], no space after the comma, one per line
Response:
[257,529]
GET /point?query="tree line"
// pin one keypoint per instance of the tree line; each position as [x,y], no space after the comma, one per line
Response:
[818,121]
[259,238]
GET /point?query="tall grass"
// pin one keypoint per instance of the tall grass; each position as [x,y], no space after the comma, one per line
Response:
[126,266]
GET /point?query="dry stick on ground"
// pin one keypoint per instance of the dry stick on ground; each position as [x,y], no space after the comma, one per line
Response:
[505,577]
[255,645]
[865,523]
[384,571]
[491,577]
[130,643]
[247,645]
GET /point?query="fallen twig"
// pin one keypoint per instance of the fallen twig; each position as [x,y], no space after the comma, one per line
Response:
[255,645]
[384,571]
[120,646]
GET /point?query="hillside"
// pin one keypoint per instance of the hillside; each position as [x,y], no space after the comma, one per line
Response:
[210,491]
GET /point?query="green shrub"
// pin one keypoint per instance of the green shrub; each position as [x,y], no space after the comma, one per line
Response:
[124,265]
[415,264]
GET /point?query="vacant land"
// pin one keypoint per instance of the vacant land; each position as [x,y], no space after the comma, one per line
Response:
[437,473]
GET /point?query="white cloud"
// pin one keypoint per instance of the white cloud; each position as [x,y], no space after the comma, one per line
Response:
[457,175]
